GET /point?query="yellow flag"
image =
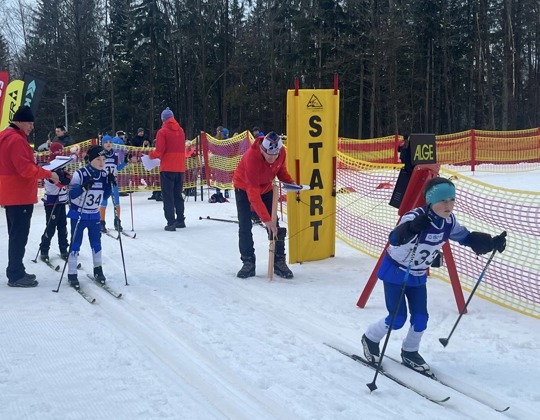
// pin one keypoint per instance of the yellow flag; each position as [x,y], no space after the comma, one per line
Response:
[14,94]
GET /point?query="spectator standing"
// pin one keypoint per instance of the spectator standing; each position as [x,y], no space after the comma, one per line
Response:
[43,147]
[18,191]
[62,136]
[222,133]
[257,132]
[140,139]
[170,149]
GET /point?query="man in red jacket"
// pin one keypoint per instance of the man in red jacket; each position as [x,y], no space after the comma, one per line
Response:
[18,191]
[171,149]
[263,161]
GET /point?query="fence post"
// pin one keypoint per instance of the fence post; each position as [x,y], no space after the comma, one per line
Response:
[396,148]
[473,149]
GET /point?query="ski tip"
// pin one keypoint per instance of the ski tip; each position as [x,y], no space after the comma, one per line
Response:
[443,341]
[503,410]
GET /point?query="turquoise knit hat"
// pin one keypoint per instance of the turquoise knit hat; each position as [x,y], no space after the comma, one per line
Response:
[439,189]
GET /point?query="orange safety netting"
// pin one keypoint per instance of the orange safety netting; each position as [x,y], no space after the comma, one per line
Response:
[221,157]
[476,150]
[364,220]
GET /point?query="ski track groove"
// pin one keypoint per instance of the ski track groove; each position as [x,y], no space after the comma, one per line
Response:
[178,358]
[230,288]
[311,328]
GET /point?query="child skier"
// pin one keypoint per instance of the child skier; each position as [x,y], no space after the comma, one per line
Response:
[88,187]
[55,200]
[112,166]
[414,245]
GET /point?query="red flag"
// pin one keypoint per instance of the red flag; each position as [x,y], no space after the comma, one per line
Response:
[4,79]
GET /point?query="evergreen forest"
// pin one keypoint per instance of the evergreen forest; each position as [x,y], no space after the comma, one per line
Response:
[439,66]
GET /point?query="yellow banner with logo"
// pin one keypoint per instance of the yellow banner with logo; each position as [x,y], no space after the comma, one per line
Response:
[14,94]
[312,135]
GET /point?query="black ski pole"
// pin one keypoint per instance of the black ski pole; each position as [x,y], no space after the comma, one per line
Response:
[444,341]
[117,224]
[372,385]
[72,240]
[46,229]
[218,220]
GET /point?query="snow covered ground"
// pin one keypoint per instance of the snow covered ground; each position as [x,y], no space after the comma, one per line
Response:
[189,340]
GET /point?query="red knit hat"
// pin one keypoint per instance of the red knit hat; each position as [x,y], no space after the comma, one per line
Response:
[55,149]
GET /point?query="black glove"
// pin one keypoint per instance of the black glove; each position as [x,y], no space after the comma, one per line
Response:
[111,178]
[480,243]
[499,242]
[88,184]
[63,176]
[420,223]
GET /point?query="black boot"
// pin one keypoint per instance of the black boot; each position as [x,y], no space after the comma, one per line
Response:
[44,256]
[103,227]
[98,275]
[248,269]
[118,225]
[280,266]
[74,281]
[281,269]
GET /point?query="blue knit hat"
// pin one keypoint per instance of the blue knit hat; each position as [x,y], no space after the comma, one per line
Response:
[166,114]
[439,189]
[106,138]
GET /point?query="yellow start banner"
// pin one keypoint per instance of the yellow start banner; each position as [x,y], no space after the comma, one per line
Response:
[312,135]
[14,94]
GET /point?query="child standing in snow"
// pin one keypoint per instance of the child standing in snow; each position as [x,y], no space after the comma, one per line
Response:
[88,187]
[414,245]
[55,200]
[113,164]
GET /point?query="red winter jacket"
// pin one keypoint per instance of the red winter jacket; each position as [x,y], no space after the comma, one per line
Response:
[255,175]
[170,147]
[19,173]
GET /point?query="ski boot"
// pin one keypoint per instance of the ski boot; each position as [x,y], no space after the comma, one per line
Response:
[98,275]
[74,281]
[413,360]
[103,227]
[371,350]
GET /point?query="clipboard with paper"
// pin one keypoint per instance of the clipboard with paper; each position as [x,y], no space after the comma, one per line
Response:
[58,163]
